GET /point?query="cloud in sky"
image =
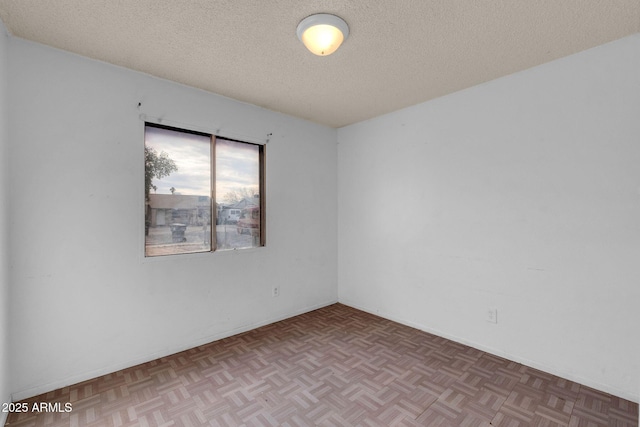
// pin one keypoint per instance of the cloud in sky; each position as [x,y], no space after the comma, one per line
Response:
[237,164]
[237,167]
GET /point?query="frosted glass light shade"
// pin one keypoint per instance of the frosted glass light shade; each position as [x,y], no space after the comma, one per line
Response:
[322,34]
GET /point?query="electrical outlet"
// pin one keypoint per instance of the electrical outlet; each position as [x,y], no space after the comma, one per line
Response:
[492,315]
[275,291]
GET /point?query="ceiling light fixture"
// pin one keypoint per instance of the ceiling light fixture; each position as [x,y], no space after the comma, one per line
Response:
[322,33]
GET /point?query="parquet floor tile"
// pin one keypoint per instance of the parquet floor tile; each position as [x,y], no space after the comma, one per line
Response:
[335,366]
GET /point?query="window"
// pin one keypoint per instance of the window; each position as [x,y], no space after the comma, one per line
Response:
[194,180]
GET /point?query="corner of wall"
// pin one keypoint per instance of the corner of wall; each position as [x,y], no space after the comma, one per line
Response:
[4,264]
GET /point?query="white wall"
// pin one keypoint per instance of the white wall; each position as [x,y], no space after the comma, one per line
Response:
[85,301]
[4,239]
[522,194]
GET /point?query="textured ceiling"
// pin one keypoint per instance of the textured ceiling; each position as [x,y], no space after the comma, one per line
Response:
[399,53]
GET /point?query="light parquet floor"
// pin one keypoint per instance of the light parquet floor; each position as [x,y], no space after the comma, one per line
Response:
[336,366]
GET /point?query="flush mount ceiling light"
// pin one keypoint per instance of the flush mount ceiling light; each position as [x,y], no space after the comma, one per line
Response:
[322,33]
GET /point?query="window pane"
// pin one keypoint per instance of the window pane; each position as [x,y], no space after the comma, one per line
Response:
[177,192]
[237,194]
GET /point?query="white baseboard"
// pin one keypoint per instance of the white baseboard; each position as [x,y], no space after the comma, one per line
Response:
[531,363]
[45,388]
